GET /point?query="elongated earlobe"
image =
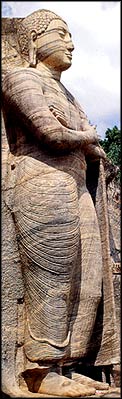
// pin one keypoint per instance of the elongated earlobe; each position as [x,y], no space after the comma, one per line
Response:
[32,50]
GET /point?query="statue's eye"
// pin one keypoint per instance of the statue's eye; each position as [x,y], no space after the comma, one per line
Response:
[62,34]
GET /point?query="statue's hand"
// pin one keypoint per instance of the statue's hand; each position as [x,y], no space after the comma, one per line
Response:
[59,115]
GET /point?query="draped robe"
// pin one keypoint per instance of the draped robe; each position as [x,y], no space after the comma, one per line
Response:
[57,199]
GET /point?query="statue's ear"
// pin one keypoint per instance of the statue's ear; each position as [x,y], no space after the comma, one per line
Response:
[32,48]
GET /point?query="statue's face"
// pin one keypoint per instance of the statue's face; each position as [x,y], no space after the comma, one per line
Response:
[54,47]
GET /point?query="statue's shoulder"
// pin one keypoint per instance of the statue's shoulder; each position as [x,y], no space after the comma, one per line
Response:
[22,75]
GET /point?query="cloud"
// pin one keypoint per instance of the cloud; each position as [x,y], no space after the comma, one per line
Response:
[6,9]
[94,77]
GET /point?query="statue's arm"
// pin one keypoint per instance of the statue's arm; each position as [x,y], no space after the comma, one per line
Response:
[23,93]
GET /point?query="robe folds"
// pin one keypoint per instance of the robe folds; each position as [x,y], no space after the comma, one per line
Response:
[57,237]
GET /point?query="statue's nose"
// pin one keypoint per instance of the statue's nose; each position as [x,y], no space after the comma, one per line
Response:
[70,45]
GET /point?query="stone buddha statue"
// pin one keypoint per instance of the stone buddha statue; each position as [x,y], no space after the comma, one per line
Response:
[55,207]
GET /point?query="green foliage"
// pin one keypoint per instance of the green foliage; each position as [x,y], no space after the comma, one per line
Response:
[112,146]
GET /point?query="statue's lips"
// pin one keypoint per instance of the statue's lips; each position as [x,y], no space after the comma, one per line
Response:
[69,55]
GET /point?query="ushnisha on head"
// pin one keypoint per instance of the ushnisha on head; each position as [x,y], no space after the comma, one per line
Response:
[44,37]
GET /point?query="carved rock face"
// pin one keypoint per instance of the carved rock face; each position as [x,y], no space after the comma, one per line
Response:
[53,260]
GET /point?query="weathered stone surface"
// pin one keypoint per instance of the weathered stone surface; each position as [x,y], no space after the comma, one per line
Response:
[10,50]
[113,192]
[55,224]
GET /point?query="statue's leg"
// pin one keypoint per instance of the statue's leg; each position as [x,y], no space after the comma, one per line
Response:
[90,272]
[90,260]
[47,223]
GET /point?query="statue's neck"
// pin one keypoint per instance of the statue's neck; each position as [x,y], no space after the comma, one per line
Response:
[48,71]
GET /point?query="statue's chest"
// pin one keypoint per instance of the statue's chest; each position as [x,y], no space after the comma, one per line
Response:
[61,104]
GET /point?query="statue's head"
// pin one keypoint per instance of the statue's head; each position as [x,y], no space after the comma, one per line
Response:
[44,36]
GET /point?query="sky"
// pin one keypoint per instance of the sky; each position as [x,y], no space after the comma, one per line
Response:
[94,77]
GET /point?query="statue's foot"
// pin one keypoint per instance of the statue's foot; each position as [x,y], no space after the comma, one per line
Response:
[89,381]
[58,385]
